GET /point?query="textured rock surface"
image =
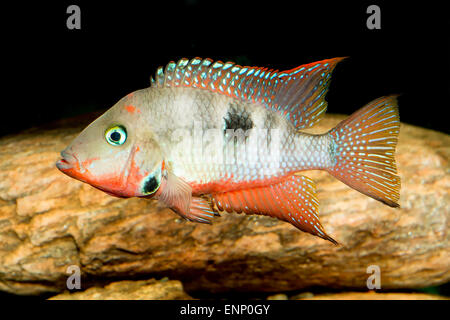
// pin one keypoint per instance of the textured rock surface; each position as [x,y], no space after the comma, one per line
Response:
[131,290]
[49,222]
[376,296]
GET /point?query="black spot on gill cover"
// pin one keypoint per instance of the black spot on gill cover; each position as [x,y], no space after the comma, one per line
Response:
[237,118]
[150,185]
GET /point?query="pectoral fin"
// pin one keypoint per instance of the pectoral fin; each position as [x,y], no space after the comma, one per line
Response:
[292,200]
[177,195]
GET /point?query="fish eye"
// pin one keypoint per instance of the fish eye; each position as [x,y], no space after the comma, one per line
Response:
[116,135]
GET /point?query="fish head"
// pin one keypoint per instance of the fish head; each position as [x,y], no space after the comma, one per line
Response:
[117,153]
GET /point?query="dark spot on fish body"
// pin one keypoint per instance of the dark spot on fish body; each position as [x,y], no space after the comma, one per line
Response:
[237,118]
[150,185]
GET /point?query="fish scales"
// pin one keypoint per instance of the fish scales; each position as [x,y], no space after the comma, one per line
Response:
[244,159]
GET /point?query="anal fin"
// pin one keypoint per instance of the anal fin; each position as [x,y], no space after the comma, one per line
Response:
[292,200]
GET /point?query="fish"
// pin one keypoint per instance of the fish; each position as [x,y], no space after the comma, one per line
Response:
[211,137]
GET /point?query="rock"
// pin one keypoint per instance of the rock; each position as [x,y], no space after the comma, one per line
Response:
[376,296]
[302,295]
[278,296]
[131,290]
[49,222]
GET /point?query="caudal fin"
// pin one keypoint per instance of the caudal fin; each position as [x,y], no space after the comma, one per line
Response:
[364,147]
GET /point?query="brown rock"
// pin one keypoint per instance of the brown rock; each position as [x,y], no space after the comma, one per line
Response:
[278,296]
[49,221]
[131,290]
[376,296]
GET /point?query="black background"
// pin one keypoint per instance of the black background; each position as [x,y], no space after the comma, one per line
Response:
[52,72]
[326,309]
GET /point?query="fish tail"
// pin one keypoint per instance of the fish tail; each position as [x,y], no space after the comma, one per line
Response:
[364,147]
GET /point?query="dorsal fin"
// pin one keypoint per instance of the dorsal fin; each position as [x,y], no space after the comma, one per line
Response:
[298,93]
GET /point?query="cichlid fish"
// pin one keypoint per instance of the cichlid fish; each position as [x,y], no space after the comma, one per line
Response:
[208,137]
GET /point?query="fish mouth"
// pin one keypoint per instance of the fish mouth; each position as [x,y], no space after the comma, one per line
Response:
[67,162]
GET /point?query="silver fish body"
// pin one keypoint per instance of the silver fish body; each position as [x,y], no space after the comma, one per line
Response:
[208,138]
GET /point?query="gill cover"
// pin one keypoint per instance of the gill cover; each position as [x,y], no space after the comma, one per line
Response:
[152,182]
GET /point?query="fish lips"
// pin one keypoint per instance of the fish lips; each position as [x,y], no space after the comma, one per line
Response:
[67,162]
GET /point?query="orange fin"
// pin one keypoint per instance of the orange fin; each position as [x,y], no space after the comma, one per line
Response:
[364,147]
[298,93]
[292,200]
[200,211]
